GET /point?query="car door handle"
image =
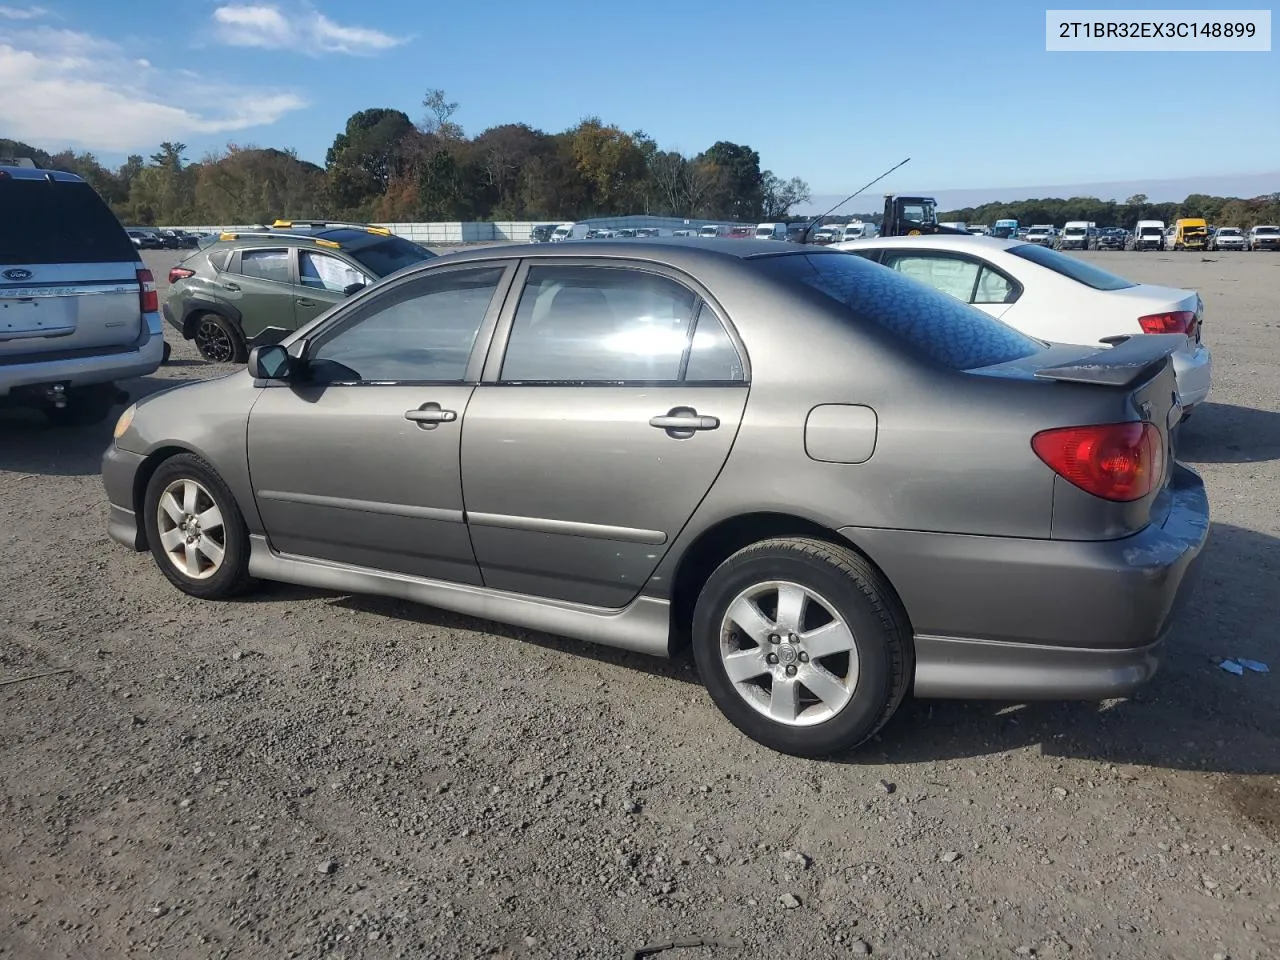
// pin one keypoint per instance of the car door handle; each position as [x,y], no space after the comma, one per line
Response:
[231,286]
[305,303]
[682,422]
[429,415]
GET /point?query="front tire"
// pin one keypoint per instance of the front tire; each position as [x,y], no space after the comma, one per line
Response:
[802,645]
[218,339]
[196,531]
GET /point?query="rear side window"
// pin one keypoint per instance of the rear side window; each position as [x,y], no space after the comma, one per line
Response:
[934,324]
[59,222]
[1077,270]
[266,264]
[219,259]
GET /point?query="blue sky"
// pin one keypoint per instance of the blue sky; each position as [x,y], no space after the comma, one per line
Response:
[966,89]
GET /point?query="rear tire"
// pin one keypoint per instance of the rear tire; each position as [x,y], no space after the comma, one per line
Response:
[218,339]
[85,406]
[843,659]
[195,529]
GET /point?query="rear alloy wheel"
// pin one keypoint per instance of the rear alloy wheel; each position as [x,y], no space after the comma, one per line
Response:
[195,529]
[802,645]
[218,340]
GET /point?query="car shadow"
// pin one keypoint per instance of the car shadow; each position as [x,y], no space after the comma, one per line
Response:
[1226,433]
[30,444]
[679,667]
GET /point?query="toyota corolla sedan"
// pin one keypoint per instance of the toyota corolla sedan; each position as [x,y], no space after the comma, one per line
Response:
[1054,296]
[836,483]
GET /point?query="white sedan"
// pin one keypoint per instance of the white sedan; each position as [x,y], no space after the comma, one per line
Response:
[1051,295]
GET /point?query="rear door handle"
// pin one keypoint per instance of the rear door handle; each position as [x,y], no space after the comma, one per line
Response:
[682,422]
[305,303]
[231,286]
[429,415]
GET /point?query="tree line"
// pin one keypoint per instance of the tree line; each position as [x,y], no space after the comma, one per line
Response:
[385,167]
[1218,211]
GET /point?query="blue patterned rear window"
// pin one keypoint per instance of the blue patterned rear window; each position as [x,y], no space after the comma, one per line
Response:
[937,325]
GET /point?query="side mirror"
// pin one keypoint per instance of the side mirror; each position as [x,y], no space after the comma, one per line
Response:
[270,362]
[351,288]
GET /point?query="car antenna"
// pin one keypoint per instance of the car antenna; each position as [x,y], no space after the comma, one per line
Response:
[804,234]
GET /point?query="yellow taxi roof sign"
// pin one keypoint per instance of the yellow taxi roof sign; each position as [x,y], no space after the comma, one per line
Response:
[282,223]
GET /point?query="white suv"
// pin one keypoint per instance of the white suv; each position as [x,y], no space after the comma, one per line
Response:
[78,309]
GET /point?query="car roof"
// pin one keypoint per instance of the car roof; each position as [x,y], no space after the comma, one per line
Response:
[345,238]
[677,252]
[35,173]
[937,241]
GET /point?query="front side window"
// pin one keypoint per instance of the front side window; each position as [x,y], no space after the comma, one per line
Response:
[266,264]
[421,332]
[601,324]
[325,272]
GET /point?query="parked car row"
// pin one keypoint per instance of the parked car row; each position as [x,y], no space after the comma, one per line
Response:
[147,239]
[1189,233]
[831,233]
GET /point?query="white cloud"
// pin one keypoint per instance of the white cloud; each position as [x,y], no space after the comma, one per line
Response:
[303,31]
[88,92]
[21,13]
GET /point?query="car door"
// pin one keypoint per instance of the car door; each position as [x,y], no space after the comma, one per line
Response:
[259,282]
[609,403]
[964,277]
[322,281]
[357,460]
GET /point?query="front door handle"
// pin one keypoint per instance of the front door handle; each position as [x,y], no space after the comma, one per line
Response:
[305,303]
[682,422]
[429,415]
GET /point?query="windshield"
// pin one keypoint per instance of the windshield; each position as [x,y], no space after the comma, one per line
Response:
[1074,231]
[929,322]
[1067,266]
[764,231]
[919,212]
[1150,231]
[1228,232]
[59,222]
[390,255]
[1267,230]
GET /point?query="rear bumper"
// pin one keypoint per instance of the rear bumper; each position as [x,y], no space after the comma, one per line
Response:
[1004,618]
[79,371]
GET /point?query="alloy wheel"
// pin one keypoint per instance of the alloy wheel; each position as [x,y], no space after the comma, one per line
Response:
[213,341]
[789,653]
[191,529]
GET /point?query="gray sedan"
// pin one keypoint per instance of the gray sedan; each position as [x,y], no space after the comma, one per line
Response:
[838,484]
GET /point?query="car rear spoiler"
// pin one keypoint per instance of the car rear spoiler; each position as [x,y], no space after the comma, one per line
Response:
[1129,361]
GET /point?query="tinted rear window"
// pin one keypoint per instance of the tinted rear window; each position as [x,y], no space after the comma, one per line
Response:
[43,222]
[390,255]
[939,326]
[1067,266]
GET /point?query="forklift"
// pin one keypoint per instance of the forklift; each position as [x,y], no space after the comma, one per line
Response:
[912,217]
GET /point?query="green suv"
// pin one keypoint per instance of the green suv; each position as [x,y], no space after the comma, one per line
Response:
[251,288]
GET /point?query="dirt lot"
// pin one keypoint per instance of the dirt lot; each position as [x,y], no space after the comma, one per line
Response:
[302,774]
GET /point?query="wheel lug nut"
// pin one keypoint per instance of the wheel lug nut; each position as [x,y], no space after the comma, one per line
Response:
[804,657]
[774,638]
[772,658]
[791,670]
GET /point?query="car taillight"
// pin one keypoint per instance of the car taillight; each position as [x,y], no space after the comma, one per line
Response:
[1177,321]
[148,299]
[180,273]
[1114,461]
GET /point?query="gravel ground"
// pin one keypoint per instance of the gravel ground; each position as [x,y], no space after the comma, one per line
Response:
[303,774]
